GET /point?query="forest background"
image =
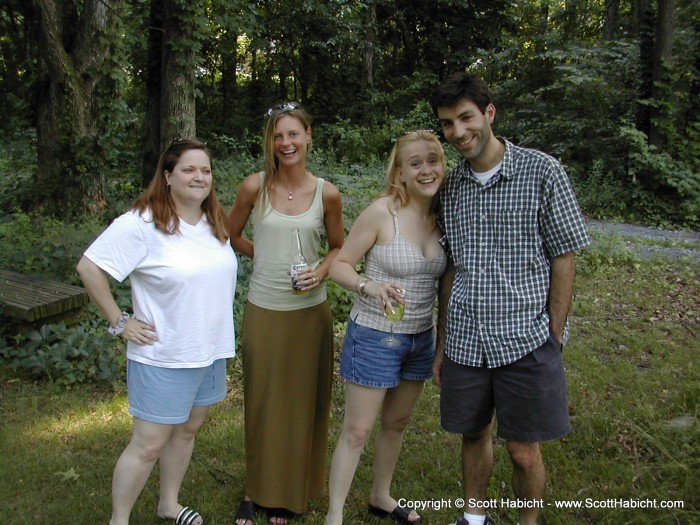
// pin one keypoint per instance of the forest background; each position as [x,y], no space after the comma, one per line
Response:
[91,90]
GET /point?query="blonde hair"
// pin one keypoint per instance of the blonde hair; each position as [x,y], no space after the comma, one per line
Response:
[271,165]
[394,187]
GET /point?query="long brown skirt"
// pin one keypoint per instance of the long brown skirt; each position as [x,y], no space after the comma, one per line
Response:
[287,381]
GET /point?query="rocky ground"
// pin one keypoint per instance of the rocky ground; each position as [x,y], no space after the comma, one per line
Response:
[652,242]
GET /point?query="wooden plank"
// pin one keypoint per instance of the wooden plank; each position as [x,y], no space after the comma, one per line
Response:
[32,299]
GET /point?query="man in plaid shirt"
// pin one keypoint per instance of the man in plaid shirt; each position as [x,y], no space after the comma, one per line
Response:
[512,225]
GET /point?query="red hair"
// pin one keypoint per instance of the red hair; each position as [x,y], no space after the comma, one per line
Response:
[157,197]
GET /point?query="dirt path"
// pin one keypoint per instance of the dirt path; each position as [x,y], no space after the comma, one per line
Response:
[652,242]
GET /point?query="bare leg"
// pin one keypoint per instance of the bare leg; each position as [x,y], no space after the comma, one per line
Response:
[175,459]
[135,465]
[529,477]
[396,413]
[362,406]
[477,465]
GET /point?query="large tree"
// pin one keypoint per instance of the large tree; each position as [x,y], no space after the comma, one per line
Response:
[176,32]
[663,51]
[76,78]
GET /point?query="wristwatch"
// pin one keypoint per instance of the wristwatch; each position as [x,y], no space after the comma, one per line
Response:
[120,326]
[361,287]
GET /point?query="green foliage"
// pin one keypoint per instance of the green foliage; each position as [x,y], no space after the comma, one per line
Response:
[600,194]
[365,70]
[576,101]
[341,301]
[675,181]
[606,251]
[571,103]
[558,88]
[50,248]
[360,143]
[17,163]
[43,246]
[359,184]
[67,356]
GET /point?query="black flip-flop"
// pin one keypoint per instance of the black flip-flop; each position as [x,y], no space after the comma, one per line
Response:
[399,514]
[247,510]
[280,512]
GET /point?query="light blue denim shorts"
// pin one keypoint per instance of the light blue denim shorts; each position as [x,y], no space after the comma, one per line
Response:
[167,395]
[367,361]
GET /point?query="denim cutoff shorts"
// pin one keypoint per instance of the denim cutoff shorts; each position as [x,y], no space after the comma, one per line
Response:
[367,361]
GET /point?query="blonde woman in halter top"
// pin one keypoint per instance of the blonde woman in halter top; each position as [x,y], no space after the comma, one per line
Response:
[399,239]
[287,338]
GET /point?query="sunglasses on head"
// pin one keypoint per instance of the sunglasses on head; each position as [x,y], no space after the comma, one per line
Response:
[285,106]
[179,140]
[416,131]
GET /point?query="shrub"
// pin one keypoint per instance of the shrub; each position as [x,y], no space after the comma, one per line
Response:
[66,355]
[43,246]
[17,162]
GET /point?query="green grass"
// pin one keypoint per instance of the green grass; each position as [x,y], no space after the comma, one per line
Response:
[633,370]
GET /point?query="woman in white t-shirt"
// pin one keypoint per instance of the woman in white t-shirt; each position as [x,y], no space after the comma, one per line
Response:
[174,247]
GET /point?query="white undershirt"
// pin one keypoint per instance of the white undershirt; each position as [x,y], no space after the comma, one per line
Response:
[484,177]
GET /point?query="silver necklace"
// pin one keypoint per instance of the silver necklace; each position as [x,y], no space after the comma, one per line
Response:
[290,196]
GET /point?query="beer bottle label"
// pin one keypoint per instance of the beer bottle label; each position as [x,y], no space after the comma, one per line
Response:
[296,268]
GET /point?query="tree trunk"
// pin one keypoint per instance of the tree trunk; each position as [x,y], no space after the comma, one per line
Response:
[612,11]
[571,25]
[543,27]
[370,38]
[645,22]
[69,179]
[152,141]
[663,50]
[178,75]
[170,81]
[229,85]
[693,113]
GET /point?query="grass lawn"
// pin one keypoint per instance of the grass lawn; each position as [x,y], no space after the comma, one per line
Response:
[633,372]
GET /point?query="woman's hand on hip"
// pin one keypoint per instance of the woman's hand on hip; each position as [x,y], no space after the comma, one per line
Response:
[139,332]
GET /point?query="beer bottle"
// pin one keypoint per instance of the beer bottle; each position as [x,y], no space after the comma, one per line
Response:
[298,262]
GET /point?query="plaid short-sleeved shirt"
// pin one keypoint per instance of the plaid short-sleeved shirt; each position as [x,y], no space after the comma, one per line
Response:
[502,237]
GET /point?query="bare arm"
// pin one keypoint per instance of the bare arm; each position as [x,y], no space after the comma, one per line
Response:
[363,235]
[240,213]
[561,290]
[96,283]
[311,278]
[444,292]
[333,218]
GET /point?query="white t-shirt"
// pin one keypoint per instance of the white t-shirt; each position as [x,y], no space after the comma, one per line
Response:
[183,284]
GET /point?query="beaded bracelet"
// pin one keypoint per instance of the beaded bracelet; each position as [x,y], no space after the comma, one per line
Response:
[120,326]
